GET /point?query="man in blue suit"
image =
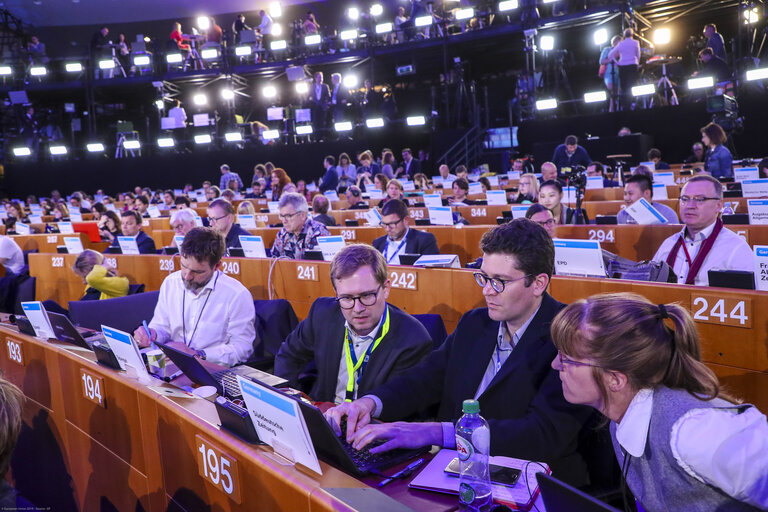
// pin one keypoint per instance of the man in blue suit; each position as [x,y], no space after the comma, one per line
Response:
[331,178]
[400,238]
[499,355]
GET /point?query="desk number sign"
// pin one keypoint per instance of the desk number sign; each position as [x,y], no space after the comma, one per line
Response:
[93,388]
[218,468]
[15,353]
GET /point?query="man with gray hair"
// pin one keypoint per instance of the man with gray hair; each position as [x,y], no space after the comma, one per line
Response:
[181,222]
[299,232]
[357,340]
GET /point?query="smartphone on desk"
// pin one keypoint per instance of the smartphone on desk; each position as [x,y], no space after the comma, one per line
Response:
[499,474]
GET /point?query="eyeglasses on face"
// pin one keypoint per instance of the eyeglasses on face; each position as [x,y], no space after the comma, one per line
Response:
[388,225]
[496,283]
[287,216]
[366,299]
[698,200]
[547,223]
[216,219]
[566,361]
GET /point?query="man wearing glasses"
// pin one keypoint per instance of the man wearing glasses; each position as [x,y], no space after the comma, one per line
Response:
[499,355]
[401,239]
[221,217]
[704,243]
[299,232]
[357,340]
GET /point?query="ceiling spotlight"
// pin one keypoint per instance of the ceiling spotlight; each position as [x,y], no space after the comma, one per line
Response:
[302,87]
[546,43]
[600,36]
[662,36]
[643,90]
[275,9]
[165,142]
[353,13]
[350,81]
[203,22]
[95,147]
[269,91]
[376,10]
[233,136]
[72,67]
[200,99]
[38,71]
[277,29]
[415,120]
[227,93]
[508,5]
[203,138]
[159,104]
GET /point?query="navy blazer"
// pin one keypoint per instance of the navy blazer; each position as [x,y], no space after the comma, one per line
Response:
[330,180]
[233,236]
[144,241]
[524,404]
[416,242]
[320,336]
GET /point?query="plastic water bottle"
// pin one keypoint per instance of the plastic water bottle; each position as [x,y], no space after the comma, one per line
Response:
[727,209]
[473,441]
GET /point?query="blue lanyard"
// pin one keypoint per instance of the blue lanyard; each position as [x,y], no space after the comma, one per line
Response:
[389,260]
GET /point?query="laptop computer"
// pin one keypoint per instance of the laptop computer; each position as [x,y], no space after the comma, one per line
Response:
[742,279]
[66,331]
[558,495]
[409,259]
[335,450]
[25,326]
[224,380]
[313,255]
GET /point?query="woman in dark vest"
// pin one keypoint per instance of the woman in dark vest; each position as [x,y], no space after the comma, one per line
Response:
[681,442]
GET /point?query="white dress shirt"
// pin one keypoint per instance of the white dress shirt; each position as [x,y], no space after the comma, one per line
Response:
[12,254]
[729,252]
[360,344]
[718,448]
[218,320]
[628,52]
[266,25]
[395,248]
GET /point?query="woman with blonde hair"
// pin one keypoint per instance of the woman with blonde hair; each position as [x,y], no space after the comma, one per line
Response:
[394,190]
[246,208]
[527,189]
[99,276]
[681,442]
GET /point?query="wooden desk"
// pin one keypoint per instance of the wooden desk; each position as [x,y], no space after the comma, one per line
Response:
[124,444]
[49,242]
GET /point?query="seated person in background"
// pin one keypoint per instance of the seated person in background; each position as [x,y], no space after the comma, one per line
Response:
[229,195]
[355,199]
[462,172]
[703,243]
[101,280]
[182,221]
[527,189]
[257,186]
[597,169]
[218,323]
[445,172]
[542,216]
[130,224]
[169,199]
[719,161]
[299,232]
[357,340]
[697,153]
[549,173]
[400,238]
[141,204]
[221,217]
[246,208]
[394,190]
[182,202]
[60,212]
[551,196]
[109,226]
[460,190]
[639,186]
[320,205]
[654,155]
[367,166]
[212,193]
[486,184]
[570,154]
[686,444]
[11,411]
[714,66]
[76,202]
[420,181]
[499,355]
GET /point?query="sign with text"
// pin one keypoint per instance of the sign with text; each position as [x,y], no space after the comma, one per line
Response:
[75,215]
[23,229]
[246,221]
[745,173]
[440,216]
[754,188]
[660,191]
[35,313]
[330,245]
[373,217]
[594,182]
[438,260]
[374,193]
[65,228]
[496,197]
[667,178]
[128,244]
[125,349]
[718,310]
[74,245]
[408,185]
[578,258]
[644,213]
[475,188]
[154,212]
[331,195]
[274,206]
[253,246]
[761,267]
[518,210]
[758,211]
[433,200]
[513,175]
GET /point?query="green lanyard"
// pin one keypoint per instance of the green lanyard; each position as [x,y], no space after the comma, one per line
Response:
[354,364]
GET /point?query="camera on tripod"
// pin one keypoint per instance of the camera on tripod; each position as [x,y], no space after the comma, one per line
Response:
[575,176]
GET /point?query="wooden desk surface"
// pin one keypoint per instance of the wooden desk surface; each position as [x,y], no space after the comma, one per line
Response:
[123,443]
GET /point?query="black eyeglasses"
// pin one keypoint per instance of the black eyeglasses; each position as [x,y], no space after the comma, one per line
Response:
[366,299]
[392,224]
[216,219]
[698,200]
[565,360]
[287,216]
[496,283]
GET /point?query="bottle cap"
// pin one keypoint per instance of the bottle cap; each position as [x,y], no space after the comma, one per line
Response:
[471,407]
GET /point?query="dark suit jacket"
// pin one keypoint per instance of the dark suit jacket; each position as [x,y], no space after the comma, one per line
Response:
[413,169]
[416,242]
[561,159]
[325,96]
[144,241]
[320,336]
[524,404]
[330,180]
[326,219]
[233,237]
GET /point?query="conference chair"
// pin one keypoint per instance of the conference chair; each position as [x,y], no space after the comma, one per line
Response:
[25,292]
[275,319]
[123,313]
[435,327]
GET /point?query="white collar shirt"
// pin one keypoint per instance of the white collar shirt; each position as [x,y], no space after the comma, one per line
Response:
[395,248]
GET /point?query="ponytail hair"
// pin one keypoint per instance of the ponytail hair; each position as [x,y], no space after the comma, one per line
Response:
[653,345]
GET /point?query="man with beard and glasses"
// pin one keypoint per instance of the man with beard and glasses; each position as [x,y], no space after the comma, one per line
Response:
[200,309]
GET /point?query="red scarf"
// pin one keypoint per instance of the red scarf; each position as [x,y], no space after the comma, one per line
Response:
[695,265]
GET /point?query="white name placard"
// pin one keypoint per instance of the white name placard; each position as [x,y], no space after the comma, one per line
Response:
[73,244]
[125,349]
[75,215]
[374,193]
[438,260]
[65,228]
[273,206]
[754,188]
[35,313]
[253,246]
[35,219]
[667,178]
[758,211]
[373,217]
[330,245]
[493,180]
[761,267]
[331,195]
[594,182]
[745,173]
[154,212]
[496,197]
[23,229]
[433,200]
[246,221]
[644,213]
[128,244]
[475,188]
[440,215]
[518,210]
[179,240]
[578,258]
[408,185]
[660,191]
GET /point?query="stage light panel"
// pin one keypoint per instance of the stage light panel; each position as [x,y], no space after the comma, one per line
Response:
[107,64]
[200,99]
[546,43]
[275,9]
[313,39]
[547,104]
[165,142]
[375,122]
[600,36]
[280,44]
[643,90]
[302,87]
[465,14]
[415,120]
[173,58]
[594,97]
[210,53]
[304,129]
[376,10]
[701,82]
[423,21]
[384,28]
[349,81]
[203,138]
[131,144]
[508,5]
[277,29]
[243,51]
[662,36]
[270,134]
[353,13]
[38,71]
[22,151]
[233,136]
[757,74]
[72,67]
[58,150]
[95,147]
[343,126]
[227,93]
[269,91]
[141,60]
[203,22]
[347,35]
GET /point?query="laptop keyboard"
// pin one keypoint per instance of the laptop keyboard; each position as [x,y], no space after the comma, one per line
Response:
[228,381]
[363,459]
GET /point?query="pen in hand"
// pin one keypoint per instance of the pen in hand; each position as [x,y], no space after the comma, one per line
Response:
[406,471]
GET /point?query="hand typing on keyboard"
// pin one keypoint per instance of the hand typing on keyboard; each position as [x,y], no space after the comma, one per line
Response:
[357,412]
[399,434]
